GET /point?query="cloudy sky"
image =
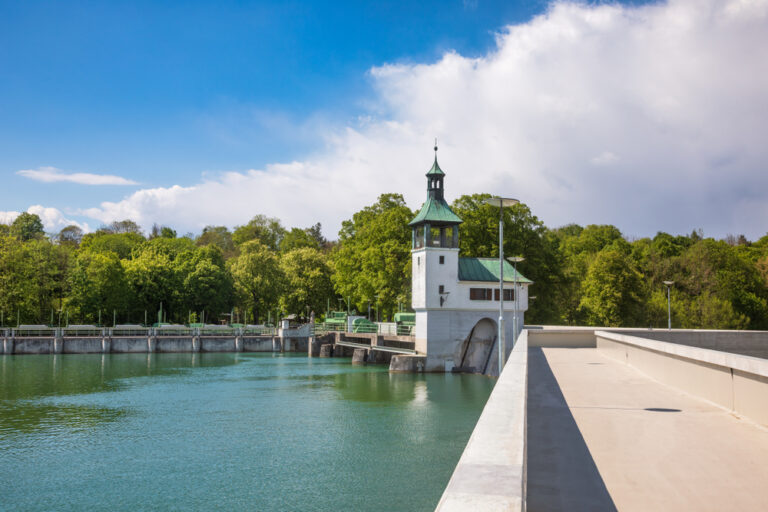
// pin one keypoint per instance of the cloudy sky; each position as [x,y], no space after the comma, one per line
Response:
[650,116]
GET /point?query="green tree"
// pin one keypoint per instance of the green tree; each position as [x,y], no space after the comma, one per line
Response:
[524,235]
[297,238]
[268,231]
[373,257]
[32,278]
[612,291]
[206,283]
[307,279]
[122,244]
[71,235]
[258,279]
[27,226]
[153,277]
[220,237]
[122,226]
[98,283]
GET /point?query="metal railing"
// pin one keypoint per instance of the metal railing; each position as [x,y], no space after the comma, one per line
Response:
[130,330]
[258,330]
[174,330]
[83,330]
[34,331]
[135,330]
[383,328]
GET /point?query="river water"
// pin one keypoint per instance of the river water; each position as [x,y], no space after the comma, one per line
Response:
[227,431]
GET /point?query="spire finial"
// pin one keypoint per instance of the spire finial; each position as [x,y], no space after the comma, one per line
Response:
[435,146]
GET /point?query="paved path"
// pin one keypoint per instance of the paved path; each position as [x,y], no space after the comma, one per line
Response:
[603,436]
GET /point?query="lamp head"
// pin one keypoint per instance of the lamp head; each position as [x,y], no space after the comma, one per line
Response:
[501,201]
[669,283]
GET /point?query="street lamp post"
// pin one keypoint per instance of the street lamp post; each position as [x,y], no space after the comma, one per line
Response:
[501,202]
[669,305]
[515,260]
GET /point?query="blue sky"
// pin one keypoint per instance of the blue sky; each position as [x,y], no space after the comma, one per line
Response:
[161,91]
[211,95]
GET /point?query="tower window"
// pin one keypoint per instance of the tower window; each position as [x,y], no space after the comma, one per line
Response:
[442,289]
[442,260]
[418,260]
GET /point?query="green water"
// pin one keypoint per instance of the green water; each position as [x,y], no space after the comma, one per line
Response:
[228,432]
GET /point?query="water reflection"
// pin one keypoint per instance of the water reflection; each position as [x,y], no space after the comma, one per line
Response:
[376,387]
[31,382]
[280,430]
[35,376]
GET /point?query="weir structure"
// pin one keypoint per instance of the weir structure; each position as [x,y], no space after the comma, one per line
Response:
[621,419]
[40,339]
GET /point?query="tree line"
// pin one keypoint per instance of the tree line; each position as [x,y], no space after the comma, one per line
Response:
[259,271]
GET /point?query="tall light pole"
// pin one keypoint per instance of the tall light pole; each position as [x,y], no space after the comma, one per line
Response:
[515,260]
[669,305]
[501,202]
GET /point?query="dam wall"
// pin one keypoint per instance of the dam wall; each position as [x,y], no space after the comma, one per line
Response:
[146,340]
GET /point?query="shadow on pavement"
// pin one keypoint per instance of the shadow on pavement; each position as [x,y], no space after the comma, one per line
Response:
[561,472]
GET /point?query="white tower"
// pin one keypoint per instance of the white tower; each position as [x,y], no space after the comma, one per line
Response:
[456,299]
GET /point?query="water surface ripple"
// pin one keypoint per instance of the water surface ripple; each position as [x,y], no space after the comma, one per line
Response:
[227,431]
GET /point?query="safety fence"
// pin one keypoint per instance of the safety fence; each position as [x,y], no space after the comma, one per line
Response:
[87,331]
[366,327]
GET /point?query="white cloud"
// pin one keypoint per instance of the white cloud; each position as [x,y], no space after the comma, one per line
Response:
[53,219]
[52,175]
[8,217]
[605,158]
[679,90]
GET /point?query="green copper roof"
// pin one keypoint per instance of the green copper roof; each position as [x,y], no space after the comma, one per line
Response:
[487,269]
[436,211]
[435,170]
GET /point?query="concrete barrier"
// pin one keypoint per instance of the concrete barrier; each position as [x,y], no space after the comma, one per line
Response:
[173,344]
[89,345]
[491,474]
[130,345]
[33,345]
[736,382]
[217,344]
[259,344]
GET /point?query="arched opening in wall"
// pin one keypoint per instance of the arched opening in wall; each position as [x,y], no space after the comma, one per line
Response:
[478,346]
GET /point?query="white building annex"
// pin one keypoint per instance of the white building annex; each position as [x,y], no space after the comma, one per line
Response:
[456,300]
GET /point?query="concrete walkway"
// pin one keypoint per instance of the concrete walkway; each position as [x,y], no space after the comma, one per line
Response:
[603,436]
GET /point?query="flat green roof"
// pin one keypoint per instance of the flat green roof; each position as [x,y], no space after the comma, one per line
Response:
[487,270]
[436,211]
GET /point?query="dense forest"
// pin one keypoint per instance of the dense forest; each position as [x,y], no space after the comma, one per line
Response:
[256,272]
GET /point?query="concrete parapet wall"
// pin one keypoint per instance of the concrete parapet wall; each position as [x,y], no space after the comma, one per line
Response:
[173,344]
[562,337]
[133,344]
[89,345]
[33,345]
[217,344]
[491,474]
[259,344]
[736,382]
[747,343]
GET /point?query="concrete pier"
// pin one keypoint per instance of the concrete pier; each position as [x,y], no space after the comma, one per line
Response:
[360,356]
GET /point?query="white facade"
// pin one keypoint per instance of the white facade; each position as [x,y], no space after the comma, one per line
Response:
[444,326]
